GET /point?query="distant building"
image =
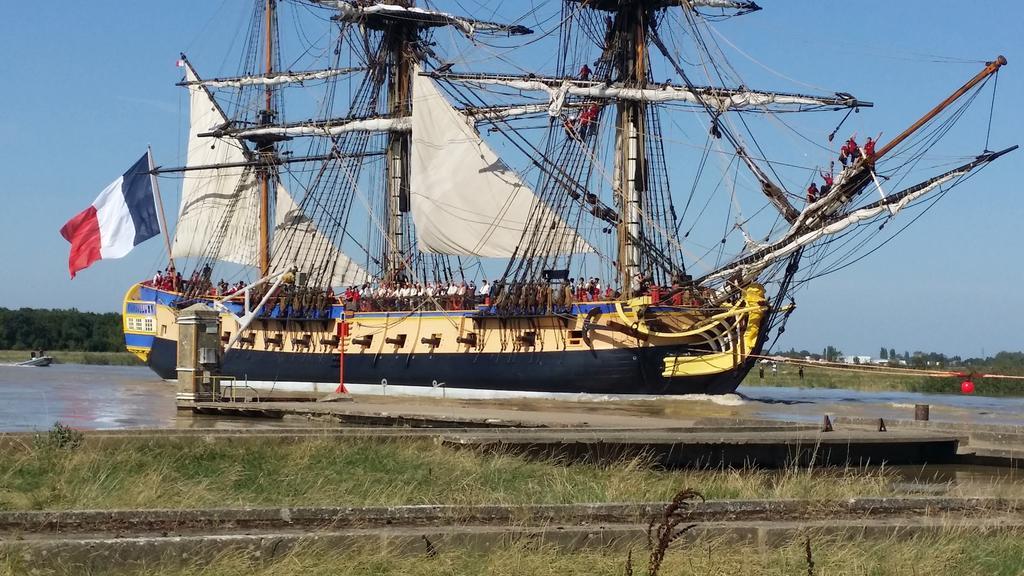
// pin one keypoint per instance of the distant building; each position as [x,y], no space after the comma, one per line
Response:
[855,359]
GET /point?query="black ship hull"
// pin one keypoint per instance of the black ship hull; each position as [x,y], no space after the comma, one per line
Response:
[599,372]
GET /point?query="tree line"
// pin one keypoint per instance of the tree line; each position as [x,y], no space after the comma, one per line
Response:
[1001,363]
[38,329]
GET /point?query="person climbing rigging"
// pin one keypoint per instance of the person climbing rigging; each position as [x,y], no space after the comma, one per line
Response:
[587,119]
[812,193]
[869,148]
[827,186]
[585,73]
[854,149]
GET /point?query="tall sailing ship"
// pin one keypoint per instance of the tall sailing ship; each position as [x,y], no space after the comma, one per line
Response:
[435,225]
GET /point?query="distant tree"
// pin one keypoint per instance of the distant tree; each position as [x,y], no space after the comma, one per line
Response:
[832,353]
[856,359]
[35,329]
[883,354]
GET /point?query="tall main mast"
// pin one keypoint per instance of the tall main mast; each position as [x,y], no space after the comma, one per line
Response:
[398,38]
[265,148]
[401,24]
[629,39]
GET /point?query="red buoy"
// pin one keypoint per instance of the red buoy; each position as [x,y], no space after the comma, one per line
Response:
[967,387]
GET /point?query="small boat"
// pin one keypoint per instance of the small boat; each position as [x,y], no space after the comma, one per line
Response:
[36,361]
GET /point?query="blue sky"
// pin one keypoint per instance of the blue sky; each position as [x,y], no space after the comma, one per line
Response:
[91,84]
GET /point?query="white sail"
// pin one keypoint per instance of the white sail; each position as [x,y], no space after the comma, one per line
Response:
[219,214]
[465,200]
[298,242]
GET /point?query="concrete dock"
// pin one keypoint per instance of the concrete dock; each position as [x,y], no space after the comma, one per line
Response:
[692,436]
[696,448]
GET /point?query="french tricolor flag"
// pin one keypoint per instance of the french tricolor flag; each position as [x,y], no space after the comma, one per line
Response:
[122,217]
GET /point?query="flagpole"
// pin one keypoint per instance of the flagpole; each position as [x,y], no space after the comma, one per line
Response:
[160,206]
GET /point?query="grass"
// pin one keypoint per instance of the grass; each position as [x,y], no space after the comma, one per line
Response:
[954,553]
[193,472]
[76,357]
[815,377]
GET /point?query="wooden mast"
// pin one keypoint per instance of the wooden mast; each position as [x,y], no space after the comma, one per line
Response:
[631,158]
[990,69]
[266,149]
[398,36]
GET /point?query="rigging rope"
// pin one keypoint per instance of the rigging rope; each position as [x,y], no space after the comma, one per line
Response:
[991,110]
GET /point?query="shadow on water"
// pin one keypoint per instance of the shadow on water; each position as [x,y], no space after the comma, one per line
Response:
[782,401]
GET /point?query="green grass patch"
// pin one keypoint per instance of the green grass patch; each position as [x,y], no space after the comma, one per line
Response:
[818,377]
[107,473]
[955,553]
[76,357]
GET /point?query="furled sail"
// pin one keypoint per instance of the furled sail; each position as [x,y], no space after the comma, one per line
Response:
[325,128]
[219,211]
[276,79]
[298,242]
[465,200]
[721,99]
[361,11]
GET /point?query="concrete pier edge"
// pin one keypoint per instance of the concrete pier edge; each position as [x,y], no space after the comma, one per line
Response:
[228,519]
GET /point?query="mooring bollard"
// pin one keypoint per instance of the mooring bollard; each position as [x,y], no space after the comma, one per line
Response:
[921,412]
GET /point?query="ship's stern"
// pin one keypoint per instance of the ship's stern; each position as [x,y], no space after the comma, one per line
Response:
[138,317]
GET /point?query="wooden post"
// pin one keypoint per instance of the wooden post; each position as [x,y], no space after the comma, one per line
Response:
[342,334]
[921,412]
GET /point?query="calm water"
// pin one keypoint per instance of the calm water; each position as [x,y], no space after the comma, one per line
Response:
[111,397]
[809,404]
[87,397]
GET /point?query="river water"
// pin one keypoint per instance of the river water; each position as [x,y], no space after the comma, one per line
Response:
[117,397]
[86,397]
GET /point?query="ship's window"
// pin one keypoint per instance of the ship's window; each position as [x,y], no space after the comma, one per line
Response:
[575,334]
[163,329]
